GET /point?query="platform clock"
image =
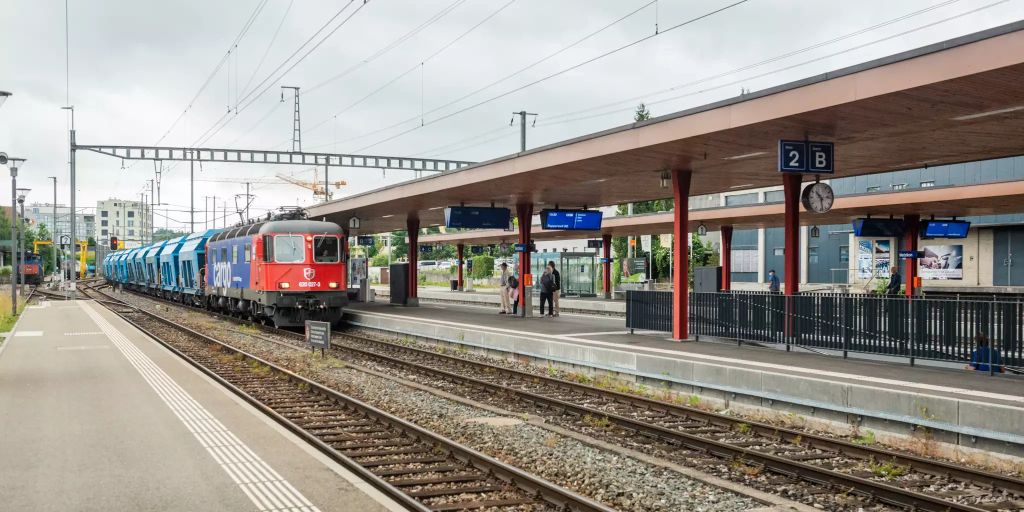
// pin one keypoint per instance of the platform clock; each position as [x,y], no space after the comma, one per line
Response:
[818,197]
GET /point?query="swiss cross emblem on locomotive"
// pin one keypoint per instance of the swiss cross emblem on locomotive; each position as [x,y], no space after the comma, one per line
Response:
[308,273]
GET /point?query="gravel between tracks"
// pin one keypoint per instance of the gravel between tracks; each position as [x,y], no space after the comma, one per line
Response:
[619,481]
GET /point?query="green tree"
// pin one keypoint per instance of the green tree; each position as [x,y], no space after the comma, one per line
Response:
[5,225]
[158,235]
[399,247]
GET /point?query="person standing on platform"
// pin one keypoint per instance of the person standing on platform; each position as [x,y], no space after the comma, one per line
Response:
[773,282]
[547,290]
[983,356]
[504,289]
[558,286]
[511,293]
[895,282]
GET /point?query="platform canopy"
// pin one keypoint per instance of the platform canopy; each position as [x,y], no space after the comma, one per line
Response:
[941,202]
[955,101]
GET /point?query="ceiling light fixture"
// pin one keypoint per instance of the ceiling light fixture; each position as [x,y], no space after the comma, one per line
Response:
[989,113]
[748,155]
[436,208]
[666,179]
[743,185]
[388,216]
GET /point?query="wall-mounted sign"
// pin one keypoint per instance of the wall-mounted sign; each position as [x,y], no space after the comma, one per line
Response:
[595,244]
[365,241]
[476,249]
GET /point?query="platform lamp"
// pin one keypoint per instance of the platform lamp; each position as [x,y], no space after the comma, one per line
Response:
[13,164]
[3,97]
[21,237]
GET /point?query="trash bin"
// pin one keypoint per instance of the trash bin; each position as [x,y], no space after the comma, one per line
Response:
[455,285]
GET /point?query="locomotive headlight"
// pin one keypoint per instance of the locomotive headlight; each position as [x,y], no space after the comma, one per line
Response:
[284,285]
[332,284]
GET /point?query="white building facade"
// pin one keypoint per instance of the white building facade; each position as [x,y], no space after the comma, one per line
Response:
[129,221]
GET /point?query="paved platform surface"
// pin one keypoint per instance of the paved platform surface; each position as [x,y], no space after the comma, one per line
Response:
[969,403]
[94,415]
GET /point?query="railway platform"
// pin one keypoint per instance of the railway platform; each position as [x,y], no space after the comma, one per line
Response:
[98,416]
[949,405]
[489,297]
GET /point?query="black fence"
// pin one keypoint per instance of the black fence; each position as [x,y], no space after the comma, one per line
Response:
[649,311]
[919,328]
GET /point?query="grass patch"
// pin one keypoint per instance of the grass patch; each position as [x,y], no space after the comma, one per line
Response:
[867,438]
[887,470]
[7,320]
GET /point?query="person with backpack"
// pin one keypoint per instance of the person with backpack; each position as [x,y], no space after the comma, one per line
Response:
[547,291]
[512,294]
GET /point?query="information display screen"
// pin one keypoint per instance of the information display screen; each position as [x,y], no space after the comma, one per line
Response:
[476,217]
[946,229]
[888,228]
[585,220]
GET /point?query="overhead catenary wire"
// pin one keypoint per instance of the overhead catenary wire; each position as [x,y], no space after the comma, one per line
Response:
[508,76]
[779,70]
[388,83]
[557,73]
[248,99]
[557,119]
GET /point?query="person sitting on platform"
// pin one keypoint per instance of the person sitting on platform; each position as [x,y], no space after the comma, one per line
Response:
[984,355]
[773,281]
[895,281]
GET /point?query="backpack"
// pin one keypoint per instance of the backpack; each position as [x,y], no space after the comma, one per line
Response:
[513,282]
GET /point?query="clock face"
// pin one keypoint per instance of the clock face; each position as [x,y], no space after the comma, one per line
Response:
[818,198]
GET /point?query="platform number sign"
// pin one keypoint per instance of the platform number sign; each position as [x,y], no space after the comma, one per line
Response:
[806,156]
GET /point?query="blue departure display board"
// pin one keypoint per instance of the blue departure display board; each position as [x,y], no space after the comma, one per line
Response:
[476,217]
[946,229]
[585,220]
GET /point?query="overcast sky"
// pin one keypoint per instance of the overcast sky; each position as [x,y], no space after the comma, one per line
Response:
[135,65]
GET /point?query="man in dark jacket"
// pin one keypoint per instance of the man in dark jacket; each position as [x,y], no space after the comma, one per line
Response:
[547,288]
[558,286]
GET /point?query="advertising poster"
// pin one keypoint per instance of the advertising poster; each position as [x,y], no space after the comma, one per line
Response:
[864,259]
[941,262]
[883,258]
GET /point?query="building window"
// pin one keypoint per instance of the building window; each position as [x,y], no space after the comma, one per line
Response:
[812,255]
[899,186]
[103,233]
[103,222]
[117,223]
[844,253]
[774,196]
[872,189]
[131,213]
[103,213]
[131,232]
[131,223]
[927,184]
[779,251]
[738,199]
[117,214]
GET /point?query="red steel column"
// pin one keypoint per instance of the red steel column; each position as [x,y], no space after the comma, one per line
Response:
[524,212]
[910,232]
[791,191]
[459,251]
[344,259]
[606,267]
[726,258]
[681,254]
[412,224]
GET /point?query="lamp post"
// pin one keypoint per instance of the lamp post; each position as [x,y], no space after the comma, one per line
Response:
[21,238]
[53,229]
[71,164]
[14,164]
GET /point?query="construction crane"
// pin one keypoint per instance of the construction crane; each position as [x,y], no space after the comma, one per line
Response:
[315,185]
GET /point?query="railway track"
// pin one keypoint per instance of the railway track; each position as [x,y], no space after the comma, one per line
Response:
[829,466]
[419,469]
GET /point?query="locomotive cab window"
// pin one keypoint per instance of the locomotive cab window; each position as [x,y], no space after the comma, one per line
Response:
[325,249]
[289,249]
